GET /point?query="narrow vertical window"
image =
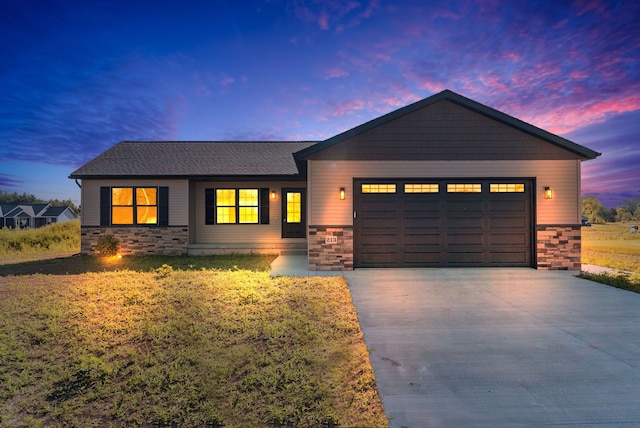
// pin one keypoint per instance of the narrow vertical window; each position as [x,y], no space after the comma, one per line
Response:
[122,205]
[146,205]
[226,206]
[294,207]
[248,205]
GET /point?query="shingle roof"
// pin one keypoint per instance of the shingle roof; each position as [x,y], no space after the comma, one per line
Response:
[464,102]
[54,211]
[195,158]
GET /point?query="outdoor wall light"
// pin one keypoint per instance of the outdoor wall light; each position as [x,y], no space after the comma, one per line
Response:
[342,193]
[548,193]
[273,194]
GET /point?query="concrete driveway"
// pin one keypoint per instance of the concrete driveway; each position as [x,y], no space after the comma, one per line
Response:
[500,347]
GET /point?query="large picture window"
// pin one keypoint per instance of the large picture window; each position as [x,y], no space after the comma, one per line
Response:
[237,206]
[134,205]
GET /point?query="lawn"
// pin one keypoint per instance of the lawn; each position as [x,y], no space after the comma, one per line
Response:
[185,341]
[611,245]
[615,246]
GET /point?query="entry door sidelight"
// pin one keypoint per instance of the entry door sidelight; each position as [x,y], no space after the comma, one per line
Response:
[294,224]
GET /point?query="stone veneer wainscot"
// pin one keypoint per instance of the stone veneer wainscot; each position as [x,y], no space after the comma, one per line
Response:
[330,256]
[139,241]
[558,247]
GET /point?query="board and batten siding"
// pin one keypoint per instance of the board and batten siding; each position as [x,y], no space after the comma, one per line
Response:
[325,178]
[178,198]
[254,235]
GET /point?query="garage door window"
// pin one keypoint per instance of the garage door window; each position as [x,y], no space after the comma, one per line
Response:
[464,188]
[421,188]
[506,187]
[379,188]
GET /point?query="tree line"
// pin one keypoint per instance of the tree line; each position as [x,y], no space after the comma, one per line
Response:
[628,210]
[16,198]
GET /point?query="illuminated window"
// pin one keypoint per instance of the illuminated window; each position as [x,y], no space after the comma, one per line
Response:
[294,207]
[237,206]
[421,188]
[464,188]
[378,188]
[507,187]
[248,209]
[143,209]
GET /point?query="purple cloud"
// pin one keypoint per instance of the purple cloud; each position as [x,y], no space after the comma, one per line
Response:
[9,181]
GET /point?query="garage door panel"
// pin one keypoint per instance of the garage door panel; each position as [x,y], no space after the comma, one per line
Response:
[443,229]
[467,238]
[380,239]
[508,239]
[454,223]
[509,258]
[507,206]
[422,239]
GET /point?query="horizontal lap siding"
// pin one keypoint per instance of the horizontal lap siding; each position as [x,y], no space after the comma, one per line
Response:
[327,177]
[201,233]
[178,198]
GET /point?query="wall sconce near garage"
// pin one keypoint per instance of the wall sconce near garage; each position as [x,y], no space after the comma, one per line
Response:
[342,193]
[548,193]
[273,194]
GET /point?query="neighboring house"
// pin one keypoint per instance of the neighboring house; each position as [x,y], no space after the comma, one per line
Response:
[443,182]
[33,215]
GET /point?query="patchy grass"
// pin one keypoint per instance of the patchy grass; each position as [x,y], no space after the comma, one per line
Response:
[181,342]
[83,264]
[613,245]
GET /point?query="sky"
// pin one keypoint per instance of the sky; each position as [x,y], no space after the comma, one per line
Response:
[77,76]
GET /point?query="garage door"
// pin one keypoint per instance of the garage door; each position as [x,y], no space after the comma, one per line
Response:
[442,223]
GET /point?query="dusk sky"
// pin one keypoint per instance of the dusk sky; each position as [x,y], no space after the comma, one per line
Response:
[77,77]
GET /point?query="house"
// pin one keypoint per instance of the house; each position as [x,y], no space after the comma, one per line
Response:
[443,182]
[33,215]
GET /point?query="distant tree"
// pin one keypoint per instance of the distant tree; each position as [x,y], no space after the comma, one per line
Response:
[595,211]
[15,199]
[628,210]
[631,206]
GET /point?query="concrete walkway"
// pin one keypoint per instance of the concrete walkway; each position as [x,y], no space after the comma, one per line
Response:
[500,347]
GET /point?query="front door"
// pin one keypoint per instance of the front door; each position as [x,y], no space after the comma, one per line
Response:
[294,223]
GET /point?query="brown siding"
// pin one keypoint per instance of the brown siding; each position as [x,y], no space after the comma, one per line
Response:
[327,177]
[443,131]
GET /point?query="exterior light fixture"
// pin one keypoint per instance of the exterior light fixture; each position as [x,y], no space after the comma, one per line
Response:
[273,194]
[548,193]
[342,193]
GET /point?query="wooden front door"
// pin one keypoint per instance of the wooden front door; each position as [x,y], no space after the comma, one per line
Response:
[294,224]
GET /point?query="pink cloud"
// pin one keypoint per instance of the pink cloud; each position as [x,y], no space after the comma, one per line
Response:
[323,20]
[226,80]
[585,6]
[349,106]
[579,74]
[335,73]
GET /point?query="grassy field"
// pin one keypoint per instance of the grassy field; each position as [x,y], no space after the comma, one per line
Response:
[32,244]
[188,341]
[613,245]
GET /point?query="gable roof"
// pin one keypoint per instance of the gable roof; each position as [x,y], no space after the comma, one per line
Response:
[195,159]
[23,210]
[56,211]
[463,102]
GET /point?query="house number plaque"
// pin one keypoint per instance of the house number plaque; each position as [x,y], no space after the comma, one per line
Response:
[330,239]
